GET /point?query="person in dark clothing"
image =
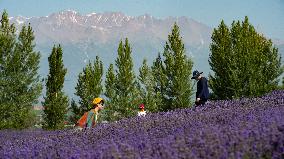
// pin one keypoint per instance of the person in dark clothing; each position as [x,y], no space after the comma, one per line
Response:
[202,93]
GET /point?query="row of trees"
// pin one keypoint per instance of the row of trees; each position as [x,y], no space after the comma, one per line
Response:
[166,85]
[244,63]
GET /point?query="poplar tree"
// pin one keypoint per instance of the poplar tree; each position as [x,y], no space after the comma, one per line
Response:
[159,79]
[244,62]
[89,86]
[126,95]
[19,80]
[55,102]
[110,92]
[150,98]
[7,46]
[220,61]
[125,80]
[110,83]
[175,82]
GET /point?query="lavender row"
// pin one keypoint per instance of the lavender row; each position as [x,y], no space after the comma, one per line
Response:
[243,128]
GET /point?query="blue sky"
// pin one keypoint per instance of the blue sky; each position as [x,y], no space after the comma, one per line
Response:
[266,15]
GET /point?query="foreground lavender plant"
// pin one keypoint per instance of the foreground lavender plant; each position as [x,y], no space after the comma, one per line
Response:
[244,128]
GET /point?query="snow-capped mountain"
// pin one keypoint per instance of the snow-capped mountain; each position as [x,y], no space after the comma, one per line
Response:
[85,36]
[70,26]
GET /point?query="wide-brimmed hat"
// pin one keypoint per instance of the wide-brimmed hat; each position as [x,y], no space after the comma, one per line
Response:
[195,74]
[98,100]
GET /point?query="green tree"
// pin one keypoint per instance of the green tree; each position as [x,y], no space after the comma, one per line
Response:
[110,83]
[89,86]
[159,79]
[75,112]
[110,93]
[244,62]
[19,80]
[150,98]
[220,62]
[55,102]
[7,46]
[282,83]
[177,67]
[281,86]
[126,90]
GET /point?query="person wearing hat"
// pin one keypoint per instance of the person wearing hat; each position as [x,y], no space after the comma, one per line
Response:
[202,93]
[90,118]
[98,104]
[141,111]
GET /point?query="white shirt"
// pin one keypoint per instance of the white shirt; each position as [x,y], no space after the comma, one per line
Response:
[141,113]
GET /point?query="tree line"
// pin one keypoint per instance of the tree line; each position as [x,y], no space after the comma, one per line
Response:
[243,62]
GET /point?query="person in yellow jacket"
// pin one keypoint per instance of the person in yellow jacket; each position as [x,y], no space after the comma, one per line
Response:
[90,118]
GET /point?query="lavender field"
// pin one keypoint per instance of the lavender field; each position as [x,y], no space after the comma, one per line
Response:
[243,128]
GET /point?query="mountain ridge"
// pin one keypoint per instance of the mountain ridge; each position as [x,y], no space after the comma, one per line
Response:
[98,34]
[108,25]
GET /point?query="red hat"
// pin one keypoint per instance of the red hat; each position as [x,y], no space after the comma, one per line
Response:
[141,106]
